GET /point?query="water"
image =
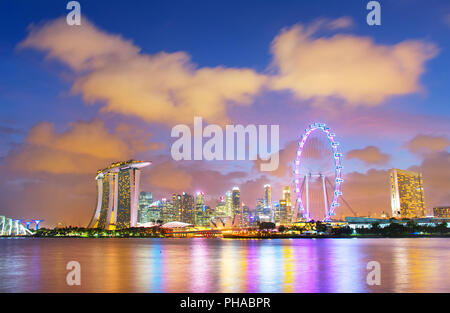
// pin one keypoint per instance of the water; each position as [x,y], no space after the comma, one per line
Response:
[224,265]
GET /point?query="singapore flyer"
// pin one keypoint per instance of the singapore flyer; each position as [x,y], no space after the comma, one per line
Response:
[318,174]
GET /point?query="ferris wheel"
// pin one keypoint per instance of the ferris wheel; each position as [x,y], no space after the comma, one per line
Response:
[318,174]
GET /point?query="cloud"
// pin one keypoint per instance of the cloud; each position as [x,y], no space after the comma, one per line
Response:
[83,148]
[436,174]
[164,87]
[425,144]
[349,67]
[369,155]
[286,159]
[366,193]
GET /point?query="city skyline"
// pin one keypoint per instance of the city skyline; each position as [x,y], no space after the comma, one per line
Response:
[67,109]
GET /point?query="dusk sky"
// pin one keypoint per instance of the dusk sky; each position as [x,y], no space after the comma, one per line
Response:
[73,99]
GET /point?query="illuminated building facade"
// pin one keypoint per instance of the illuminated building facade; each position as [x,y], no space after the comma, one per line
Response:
[407,195]
[267,200]
[442,212]
[202,212]
[259,208]
[187,209]
[117,195]
[229,203]
[281,213]
[167,211]
[246,215]
[287,216]
[221,207]
[236,196]
[145,201]
[177,207]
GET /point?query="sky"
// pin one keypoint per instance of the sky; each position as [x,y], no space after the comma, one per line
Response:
[73,99]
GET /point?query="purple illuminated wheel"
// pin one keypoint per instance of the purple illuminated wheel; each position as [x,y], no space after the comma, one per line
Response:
[318,176]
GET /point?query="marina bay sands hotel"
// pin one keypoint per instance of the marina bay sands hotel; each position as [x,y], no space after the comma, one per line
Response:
[117,195]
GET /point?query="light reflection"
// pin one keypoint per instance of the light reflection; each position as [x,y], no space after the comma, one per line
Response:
[288,267]
[216,265]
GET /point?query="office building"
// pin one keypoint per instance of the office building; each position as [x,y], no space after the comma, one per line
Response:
[442,212]
[407,194]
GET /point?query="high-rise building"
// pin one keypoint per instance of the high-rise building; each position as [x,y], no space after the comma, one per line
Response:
[259,208]
[407,195]
[287,219]
[187,210]
[145,200]
[202,212]
[277,212]
[236,196]
[220,207]
[167,211]
[229,203]
[154,212]
[267,200]
[287,195]
[442,212]
[245,215]
[284,213]
[117,195]
[177,207]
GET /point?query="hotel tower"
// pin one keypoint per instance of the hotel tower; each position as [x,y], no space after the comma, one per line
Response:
[407,196]
[117,195]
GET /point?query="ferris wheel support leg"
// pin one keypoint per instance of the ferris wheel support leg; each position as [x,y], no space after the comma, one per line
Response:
[307,196]
[325,195]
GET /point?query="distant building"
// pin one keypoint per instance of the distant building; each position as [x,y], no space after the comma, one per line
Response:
[167,211]
[118,195]
[236,196]
[229,203]
[287,217]
[407,195]
[145,200]
[442,212]
[154,212]
[267,200]
[245,215]
[287,195]
[187,211]
[177,207]
[220,207]
[203,212]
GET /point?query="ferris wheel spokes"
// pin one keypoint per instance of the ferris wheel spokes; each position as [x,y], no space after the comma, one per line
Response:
[329,209]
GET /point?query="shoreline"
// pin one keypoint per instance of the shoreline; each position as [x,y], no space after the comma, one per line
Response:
[249,237]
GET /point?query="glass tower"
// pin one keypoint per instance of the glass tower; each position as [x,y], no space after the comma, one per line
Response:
[407,196]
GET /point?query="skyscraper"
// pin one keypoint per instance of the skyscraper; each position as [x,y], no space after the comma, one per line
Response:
[407,195]
[167,211]
[202,212]
[177,207]
[245,215]
[229,203]
[287,195]
[117,195]
[236,196]
[267,200]
[145,200]
[220,207]
[259,208]
[287,218]
[187,210]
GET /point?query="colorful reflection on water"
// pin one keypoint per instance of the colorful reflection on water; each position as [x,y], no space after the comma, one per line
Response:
[221,265]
